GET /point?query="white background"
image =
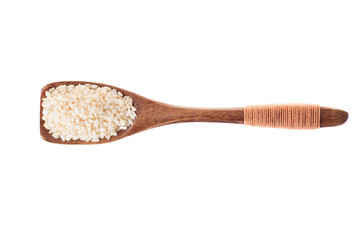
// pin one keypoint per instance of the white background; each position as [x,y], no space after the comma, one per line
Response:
[192,180]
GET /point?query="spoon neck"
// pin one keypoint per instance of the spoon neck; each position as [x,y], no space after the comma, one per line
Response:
[164,114]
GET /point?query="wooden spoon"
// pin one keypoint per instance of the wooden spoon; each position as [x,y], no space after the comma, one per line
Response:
[152,114]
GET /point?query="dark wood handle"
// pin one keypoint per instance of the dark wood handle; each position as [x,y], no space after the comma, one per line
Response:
[165,114]
[155,114]
[331,117]
[184,114]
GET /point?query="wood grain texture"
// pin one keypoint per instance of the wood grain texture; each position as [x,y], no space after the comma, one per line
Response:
[151,114]
[330,117]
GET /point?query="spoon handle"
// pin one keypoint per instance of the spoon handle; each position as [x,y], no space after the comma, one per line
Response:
[159,114]
[224,115]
